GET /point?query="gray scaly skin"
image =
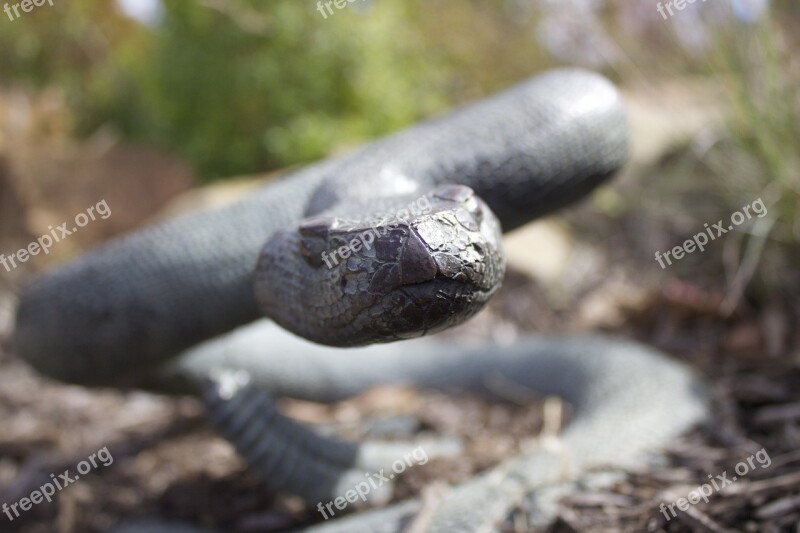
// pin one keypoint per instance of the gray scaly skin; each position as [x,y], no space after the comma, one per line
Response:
[627,401]
[118,314]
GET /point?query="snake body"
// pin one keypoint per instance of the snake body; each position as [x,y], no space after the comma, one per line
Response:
[141,310]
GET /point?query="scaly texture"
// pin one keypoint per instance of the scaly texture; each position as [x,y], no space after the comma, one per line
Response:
[628,400]
[119,311]
[419,274]
[118,314]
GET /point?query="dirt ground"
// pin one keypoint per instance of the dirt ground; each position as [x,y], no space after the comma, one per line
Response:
[168,463]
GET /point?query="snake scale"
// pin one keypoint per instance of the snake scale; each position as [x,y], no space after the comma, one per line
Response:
[178,306]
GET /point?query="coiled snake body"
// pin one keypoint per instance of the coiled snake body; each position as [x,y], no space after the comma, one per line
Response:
[138,311]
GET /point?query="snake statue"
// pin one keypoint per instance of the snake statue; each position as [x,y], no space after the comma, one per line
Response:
[396,240]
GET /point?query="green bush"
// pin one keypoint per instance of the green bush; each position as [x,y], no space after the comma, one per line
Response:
[246,90]
[241,86]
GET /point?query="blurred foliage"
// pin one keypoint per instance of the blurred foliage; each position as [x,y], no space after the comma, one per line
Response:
[761,73]
[281,91]
[749,52]
[63,45]
[763,80]
[239,86]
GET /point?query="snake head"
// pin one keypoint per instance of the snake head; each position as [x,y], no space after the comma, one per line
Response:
[416,267]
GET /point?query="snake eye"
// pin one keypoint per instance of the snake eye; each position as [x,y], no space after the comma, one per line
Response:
[316,226]
[314,239]
[453,193]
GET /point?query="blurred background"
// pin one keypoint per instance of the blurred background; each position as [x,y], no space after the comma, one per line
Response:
[157,106]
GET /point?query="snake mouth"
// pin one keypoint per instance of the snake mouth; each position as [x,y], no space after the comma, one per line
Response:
[426,274]
[425,308]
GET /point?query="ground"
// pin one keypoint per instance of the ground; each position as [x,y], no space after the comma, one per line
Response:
[168,463]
